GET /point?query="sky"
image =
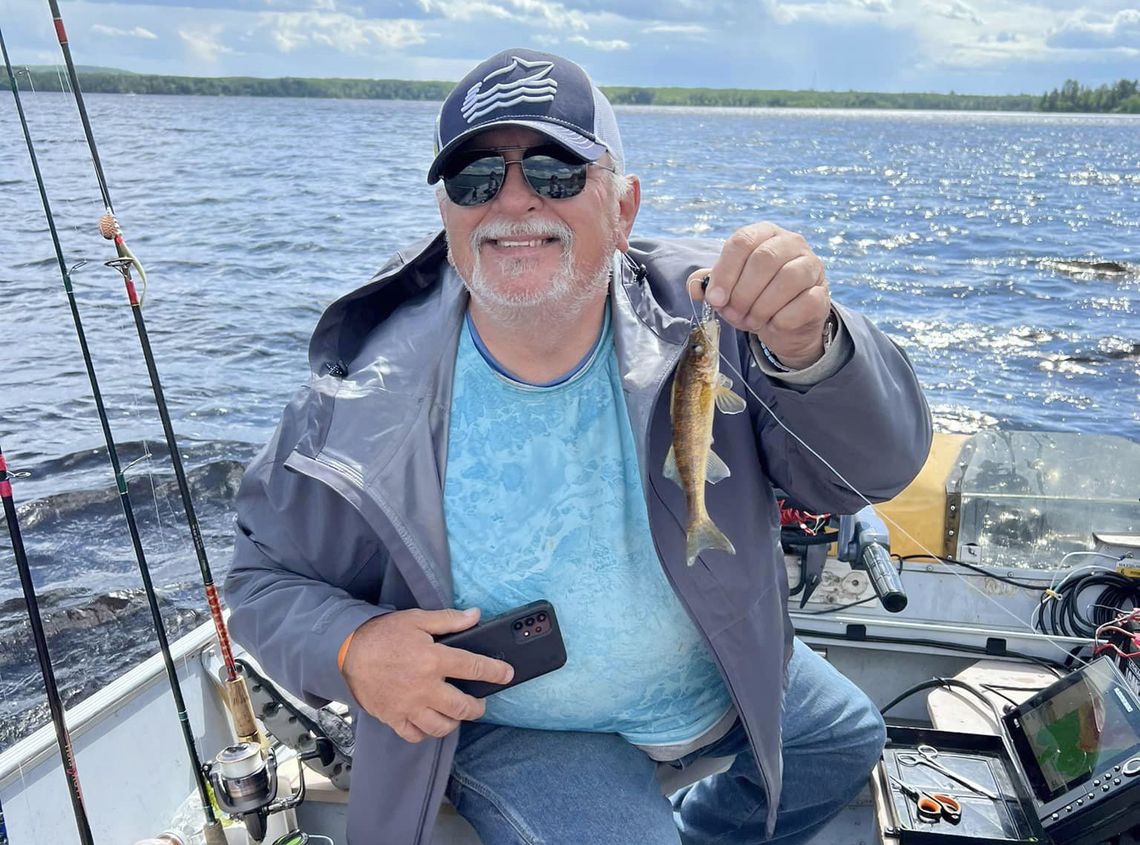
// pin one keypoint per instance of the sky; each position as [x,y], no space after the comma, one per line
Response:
[968,46]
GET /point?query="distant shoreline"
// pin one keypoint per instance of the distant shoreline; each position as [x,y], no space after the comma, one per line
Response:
[109,81]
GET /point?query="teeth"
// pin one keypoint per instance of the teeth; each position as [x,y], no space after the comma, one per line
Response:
[521,243]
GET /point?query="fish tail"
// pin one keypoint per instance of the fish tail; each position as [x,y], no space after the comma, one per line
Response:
[703,534]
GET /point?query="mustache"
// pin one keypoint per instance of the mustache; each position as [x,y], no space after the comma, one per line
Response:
[520,229]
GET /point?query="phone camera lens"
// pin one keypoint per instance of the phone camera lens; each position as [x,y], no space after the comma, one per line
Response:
[529,621]
[538,629]
[518,626]
[541,617]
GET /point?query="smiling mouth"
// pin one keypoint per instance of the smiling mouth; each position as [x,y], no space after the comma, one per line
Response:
[514,244]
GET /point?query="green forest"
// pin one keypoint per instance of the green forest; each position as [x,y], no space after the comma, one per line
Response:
[1121,97]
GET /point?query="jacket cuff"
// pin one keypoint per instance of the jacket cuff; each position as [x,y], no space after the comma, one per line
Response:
[838,353]
[325,671]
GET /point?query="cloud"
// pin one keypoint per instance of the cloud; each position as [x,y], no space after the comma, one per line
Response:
[552,15]
[677,29]
[958,10]
[605,46]
[204,44]
[343,33]
[828,12]
[1098,32]
[136,32]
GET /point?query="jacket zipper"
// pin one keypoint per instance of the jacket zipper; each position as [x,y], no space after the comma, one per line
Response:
[355,478]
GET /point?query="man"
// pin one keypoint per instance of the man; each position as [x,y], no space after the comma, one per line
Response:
[487,424]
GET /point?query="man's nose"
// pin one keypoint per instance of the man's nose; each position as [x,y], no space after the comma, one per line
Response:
[516,194]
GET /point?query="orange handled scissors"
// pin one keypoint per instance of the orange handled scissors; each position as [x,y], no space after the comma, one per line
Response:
[932,806]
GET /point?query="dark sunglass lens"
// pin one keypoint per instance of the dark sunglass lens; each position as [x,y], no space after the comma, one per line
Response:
[553,178]
[475,181]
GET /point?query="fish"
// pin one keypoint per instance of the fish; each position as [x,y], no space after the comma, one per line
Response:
[699,389]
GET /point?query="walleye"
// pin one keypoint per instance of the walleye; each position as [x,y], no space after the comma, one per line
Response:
[699,389]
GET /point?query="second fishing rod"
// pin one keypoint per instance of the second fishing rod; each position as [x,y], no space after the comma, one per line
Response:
[240,706]
[35,620]
[213,829]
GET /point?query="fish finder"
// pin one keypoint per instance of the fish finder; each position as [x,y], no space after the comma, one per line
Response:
[1078,744]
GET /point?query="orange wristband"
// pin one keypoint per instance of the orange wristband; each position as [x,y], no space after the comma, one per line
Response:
[343,653]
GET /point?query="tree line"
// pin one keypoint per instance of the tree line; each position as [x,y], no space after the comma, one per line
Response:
[1121,97]
[1071,97]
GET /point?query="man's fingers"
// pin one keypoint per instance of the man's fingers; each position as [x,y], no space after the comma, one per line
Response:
[697,282]
[803,310]
[459,663]
[796,276]
[730,263]
[456,704]
[445,621]
[408,732]
[434,723]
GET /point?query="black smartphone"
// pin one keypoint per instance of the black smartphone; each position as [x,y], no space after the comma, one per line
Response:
[526,637]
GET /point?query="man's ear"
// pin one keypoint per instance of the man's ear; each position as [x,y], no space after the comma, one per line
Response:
[627,212]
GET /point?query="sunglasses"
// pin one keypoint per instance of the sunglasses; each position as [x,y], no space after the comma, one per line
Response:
[475,176]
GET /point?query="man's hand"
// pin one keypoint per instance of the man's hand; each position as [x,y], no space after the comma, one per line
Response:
[769,282]
[396,670]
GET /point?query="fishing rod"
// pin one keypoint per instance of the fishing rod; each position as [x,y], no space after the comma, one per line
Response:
[213,828]
[55,701]
[240,706]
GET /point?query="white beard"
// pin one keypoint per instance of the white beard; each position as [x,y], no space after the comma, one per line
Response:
[570,288]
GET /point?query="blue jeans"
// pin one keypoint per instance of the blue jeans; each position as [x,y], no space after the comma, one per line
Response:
[524,787]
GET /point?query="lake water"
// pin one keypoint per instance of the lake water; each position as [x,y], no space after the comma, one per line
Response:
[955,232]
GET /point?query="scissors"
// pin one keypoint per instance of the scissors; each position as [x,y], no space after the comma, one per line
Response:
[928,756]
[932,806]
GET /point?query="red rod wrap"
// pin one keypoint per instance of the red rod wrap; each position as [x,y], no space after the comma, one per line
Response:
[223,637]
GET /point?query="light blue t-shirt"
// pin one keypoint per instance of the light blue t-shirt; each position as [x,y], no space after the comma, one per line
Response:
[543,499]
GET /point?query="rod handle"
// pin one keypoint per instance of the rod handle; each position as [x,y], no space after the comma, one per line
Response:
[885,580]
[241,710]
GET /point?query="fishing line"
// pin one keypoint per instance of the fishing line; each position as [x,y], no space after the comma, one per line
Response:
[35,619]
[885,517]
[237,695]
[213,826]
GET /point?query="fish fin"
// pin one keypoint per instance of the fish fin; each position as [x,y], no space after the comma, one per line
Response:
[723,381]
[705,535]
[671,471]
[716,469]
[728,401]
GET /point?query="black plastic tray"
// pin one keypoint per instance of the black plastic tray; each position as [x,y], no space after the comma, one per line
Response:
[982,759]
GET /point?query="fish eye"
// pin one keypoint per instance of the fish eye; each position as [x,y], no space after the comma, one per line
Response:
[698,348]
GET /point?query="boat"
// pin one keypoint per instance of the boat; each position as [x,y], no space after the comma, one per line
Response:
[993,523]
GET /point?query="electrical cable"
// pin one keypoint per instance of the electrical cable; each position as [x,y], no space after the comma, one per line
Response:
[1060,612]
[940,683]
[1026,585]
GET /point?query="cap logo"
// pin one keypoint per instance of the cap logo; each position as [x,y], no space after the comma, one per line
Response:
[533,86]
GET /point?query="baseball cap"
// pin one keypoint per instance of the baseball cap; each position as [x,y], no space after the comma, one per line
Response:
[540,91]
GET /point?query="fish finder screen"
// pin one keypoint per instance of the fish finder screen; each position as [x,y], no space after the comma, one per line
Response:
[1081,729]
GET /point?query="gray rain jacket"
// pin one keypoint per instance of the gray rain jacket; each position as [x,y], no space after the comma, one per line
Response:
[340,518]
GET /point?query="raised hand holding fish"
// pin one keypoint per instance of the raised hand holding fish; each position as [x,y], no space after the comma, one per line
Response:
[698,390]
[768,281]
